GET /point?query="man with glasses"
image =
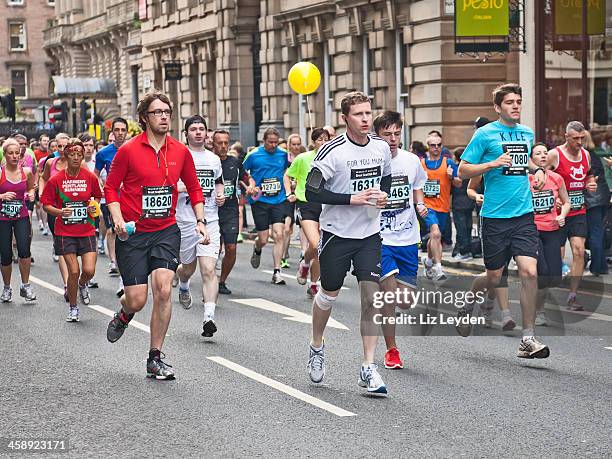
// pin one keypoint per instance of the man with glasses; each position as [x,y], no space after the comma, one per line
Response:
[147,170]
[441,176]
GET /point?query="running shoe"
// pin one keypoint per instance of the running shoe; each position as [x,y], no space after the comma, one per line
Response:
[55,257]
[185,298]
[45,232]
[508,324]
[370,378]
[302,274]
[240,238]
[463,326]
[120,292]
[427,269]
[277,279]
[40,225]
[255,259]
[92,284]
[392,359]
[284,263]
[219,262]
[158,369]
[117,326]
[223,290]
[572,304]
[466,257]
[26,292]
[112,269]
[439,275]
[540,319]
[316,364]
[84,294]
[175,280]
[101,246]
[7,294]
[208,328]
[531,348]
[311,291]
[73,315]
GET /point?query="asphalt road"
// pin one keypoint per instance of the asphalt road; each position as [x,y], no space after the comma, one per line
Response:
[246,391]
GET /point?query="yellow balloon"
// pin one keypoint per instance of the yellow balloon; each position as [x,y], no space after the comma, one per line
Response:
[304,78]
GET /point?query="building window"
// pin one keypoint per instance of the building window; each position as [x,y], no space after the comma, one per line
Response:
[19,82]
[15,2]
[51,2]
[17,36]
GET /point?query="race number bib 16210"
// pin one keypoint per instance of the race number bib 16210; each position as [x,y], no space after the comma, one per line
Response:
[206,177]
[431,189]
[79,213]
[543,201]
[576,198]
[362,179]
[156,201]
[11,209]
[399,196]
[270,186]
[519,152]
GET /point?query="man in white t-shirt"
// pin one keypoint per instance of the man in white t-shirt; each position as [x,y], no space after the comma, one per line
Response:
[210,175]
[399,227]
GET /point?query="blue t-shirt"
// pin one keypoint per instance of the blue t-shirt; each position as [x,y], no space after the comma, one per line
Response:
[267,169]
[506,195]
[105,157]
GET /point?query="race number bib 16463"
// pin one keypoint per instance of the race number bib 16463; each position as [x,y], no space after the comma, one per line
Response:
[399,196]
[206,177]
[576,198]
[431,189]
[79,213]
[156,201]
[270,186]
[362,179]
[11,209]
[543,201]
[520,158]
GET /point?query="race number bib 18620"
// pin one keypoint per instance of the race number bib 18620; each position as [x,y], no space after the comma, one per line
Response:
[576,198]
[399,196]
[431,189]
[11,209]
[543,201]
[206,178]
[156,201]
[520,158]
[270,186]
[79,213]
[362,179]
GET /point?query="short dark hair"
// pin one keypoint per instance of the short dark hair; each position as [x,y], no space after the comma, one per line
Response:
[418,148]
[219,131]
[386,119]
[145,103]
[318,132]
[119,119]
[84,137]
[271,131]
[503,90]
[481,121]
[537,144]
[434,132]
[352,98]
[195,119]
[43,135]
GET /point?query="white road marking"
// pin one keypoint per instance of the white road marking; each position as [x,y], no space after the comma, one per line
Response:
[282,387]
[289,276]
[608,347]
[290,314]
[47,285]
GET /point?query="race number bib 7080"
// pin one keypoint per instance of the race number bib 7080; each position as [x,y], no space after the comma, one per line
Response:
[11,209]
[431,189]
[543,201]
[270,186]
[79,213]
[399,196]
[576,198]
[362,179]
[520,158]
[206,177]
[156,201]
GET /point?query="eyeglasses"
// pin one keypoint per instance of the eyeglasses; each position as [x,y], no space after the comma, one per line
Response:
[434,145]
[158,113]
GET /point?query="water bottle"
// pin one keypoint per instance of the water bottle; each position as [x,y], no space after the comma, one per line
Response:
[130,228]
[372,211]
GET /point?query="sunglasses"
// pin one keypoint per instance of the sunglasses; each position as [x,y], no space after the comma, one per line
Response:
[434,145]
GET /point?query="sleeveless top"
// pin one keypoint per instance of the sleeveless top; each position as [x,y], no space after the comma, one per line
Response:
[16,208]
[574,175]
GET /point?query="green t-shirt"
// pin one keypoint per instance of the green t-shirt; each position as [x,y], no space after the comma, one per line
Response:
[299,171]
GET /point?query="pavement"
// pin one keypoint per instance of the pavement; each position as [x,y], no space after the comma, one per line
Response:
[246,392]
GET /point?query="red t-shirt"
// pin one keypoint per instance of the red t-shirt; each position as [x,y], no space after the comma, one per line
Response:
[63,190]
[147,182]
[40,155]
[544,201]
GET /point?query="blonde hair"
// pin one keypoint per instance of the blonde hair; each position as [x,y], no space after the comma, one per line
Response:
[8,142]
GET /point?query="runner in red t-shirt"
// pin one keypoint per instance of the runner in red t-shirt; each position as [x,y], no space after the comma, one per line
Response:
[147,170]
[68,197]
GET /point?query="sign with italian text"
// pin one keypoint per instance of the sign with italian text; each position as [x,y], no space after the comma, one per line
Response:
[481,18]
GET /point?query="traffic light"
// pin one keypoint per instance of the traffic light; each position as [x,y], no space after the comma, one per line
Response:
[85,114]
[8,105]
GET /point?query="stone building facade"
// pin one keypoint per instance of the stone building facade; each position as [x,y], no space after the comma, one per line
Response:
[23,63]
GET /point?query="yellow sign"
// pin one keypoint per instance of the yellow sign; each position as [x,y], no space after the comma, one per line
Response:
[480,18]
[568,17]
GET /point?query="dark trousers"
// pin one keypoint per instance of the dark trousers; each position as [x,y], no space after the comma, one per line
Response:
[447,231]
[463,227]
[595,220]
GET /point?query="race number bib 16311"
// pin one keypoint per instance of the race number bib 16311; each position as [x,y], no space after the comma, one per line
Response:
[362,179]
[206,177]
[576,198]
[431,189]
[79,213]
[156,201]
[543,201]
[520,158]
[399,196]
[270,186]
[11,209]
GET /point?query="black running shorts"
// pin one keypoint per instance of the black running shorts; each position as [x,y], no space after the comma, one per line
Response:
[265,214]
[575,226]
[64,245]
[504,238]
[228,222]
[143,253]
[308,211]
[336,255]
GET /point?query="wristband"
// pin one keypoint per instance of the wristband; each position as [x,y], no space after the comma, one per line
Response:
[199,220]
[420,204]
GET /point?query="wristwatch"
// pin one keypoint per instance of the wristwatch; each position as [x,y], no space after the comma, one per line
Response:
[200,220]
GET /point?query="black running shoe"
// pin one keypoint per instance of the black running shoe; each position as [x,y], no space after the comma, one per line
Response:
[158,369]
[223,290]
[116,327]
[209,328]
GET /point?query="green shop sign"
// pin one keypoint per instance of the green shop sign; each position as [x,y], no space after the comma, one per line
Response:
[481,18]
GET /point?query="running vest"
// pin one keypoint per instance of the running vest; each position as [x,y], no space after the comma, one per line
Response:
[574,175]
[437,188]
[16,208]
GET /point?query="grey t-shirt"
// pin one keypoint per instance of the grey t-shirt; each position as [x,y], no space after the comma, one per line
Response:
[350,168]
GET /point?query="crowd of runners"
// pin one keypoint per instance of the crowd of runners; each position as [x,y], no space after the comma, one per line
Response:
[162,208]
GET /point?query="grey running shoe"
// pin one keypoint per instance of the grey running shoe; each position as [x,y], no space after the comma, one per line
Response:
[316,364]
[540,319]
[508,324]
[371,379]
[117,326]
[255,259]
[209,328]
[73,315]
[26,292]
[84,295]
[158,369]
[463,326]
[531,348]
[277,279]
[439,276]
[427,269]
[7,294]
[185,298]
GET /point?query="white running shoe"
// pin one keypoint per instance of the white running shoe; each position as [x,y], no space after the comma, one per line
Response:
[540,319]
[73,315]
[371,379]
[531,348]
[427,268]
[316,364]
